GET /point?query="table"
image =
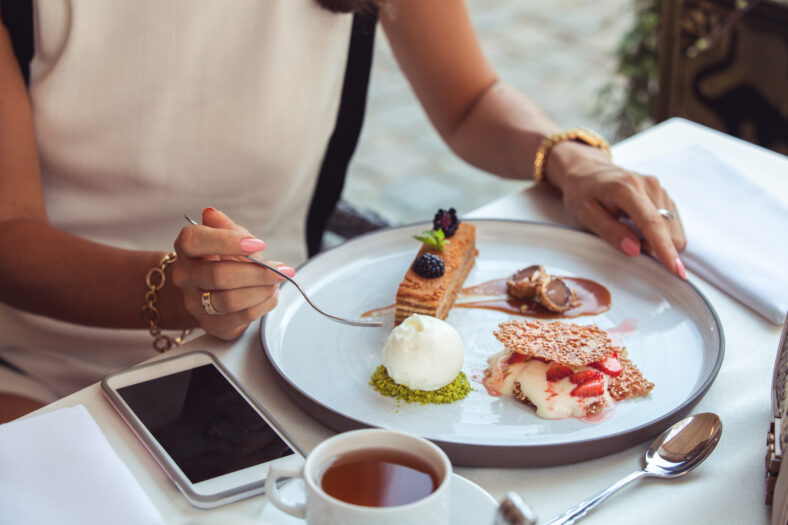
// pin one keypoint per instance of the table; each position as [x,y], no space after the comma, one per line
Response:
[727,488]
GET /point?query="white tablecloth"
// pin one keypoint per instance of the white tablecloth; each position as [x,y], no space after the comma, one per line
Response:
[727,488]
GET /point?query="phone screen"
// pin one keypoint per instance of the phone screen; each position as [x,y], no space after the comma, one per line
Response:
[203,423]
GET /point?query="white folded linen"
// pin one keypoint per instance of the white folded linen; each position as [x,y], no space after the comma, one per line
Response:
[59,467]
[737,231]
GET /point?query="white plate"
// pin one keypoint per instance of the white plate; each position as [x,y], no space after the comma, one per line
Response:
[326,366]
[469,503]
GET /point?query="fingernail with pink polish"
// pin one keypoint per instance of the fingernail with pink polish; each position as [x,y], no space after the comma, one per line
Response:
[290,272]
[680,271]
[630,247]
[208,209]
[252,245]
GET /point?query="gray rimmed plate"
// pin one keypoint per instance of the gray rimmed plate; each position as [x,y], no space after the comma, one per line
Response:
[669,329]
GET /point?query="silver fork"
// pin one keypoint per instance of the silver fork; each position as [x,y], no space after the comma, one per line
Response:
[276,271]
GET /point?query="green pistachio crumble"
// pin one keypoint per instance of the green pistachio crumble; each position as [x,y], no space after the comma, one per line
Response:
[450,393]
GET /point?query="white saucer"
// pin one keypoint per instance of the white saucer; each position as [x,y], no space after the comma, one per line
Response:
[470,504]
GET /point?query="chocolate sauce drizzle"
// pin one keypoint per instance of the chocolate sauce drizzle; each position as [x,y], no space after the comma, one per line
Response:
[591,297]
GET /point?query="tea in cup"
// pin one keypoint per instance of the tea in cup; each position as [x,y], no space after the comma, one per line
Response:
[370,476]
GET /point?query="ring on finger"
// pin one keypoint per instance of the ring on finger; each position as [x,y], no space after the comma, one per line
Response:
[205,300]
[667,214]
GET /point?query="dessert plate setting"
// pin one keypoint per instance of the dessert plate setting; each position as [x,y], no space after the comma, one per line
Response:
[669,329]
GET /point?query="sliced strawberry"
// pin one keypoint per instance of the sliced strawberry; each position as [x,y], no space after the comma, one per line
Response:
[609,365]
[557,372]
[583,376]
[516,357]
[594,387]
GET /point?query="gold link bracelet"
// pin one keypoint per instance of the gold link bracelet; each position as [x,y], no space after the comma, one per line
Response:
[583,135]
[155,280]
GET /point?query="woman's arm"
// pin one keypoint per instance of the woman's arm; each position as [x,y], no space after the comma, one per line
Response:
[45,270]
[498,129]
[50,272]
[437,49]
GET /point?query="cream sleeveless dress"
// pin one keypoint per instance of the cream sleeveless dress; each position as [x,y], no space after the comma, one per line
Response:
[149,109]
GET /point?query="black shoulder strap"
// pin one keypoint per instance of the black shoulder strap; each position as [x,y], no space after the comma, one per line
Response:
[18,19]
[347,129]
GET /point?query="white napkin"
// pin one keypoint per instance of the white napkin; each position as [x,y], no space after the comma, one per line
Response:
[737,232]
[59,468]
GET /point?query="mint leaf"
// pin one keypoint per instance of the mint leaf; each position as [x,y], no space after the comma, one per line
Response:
[435,239]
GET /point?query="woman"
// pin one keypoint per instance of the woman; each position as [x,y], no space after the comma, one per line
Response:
[139,112]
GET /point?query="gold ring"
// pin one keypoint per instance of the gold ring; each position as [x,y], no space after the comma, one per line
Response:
[667,214]
[205,299]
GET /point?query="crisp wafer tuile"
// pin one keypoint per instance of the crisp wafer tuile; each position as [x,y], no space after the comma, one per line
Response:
[565,343]
[630,382]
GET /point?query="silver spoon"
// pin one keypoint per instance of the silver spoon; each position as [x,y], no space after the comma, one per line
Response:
[514,511]
[675,452]
[273,269]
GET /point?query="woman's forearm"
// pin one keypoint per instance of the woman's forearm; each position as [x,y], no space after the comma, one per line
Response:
[487,123]
[501,132]
[45,270]
[50,272]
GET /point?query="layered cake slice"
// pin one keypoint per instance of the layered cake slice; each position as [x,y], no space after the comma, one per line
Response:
[562,369]
[437,274]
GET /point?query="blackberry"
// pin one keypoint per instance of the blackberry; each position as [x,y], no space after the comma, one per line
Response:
[429,266]
[446,221]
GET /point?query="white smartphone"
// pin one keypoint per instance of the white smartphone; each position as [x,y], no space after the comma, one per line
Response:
[206,431]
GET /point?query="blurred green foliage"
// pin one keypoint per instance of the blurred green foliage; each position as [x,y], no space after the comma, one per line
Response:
[627,103]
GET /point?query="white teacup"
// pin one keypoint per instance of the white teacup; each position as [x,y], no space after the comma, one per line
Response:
[322,508]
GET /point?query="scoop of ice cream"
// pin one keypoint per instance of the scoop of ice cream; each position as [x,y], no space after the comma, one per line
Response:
[423,353]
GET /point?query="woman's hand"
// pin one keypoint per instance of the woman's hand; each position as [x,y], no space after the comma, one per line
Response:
[598,194]
[211,260]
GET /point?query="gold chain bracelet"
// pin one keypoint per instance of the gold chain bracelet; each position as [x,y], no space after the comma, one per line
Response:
[155,280]
[583,135]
